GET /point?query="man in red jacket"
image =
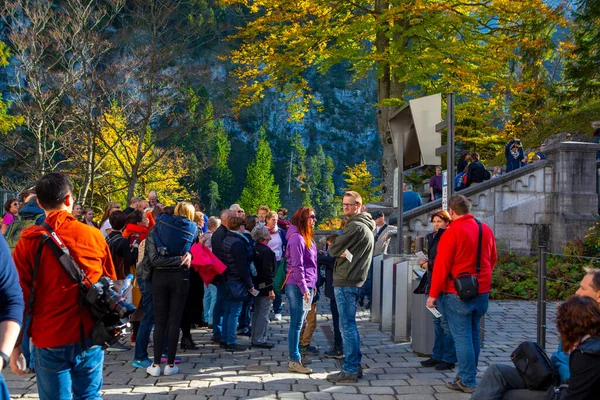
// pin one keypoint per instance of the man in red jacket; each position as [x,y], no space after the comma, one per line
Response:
[63,366]
[457,253]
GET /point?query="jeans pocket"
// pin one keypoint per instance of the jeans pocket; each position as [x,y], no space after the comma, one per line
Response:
[51,359]
[459,306]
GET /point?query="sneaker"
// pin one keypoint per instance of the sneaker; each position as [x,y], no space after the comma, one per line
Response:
[342,377]
[153,370]
[236,347]
[277,317]
[334,353]
[298,367]
[165,359]
[310,350]
[430,363]
[142,363]
[459,386]
[118,347]
[264,345]
[171,370]
[444,366]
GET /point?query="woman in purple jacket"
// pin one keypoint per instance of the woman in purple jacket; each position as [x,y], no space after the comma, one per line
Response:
[301,279]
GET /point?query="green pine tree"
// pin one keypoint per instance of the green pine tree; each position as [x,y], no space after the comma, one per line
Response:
[213,197]
[222,173]
[298,194]
[260,186]
[320,187]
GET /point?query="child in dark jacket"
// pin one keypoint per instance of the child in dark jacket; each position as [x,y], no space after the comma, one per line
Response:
[264,262]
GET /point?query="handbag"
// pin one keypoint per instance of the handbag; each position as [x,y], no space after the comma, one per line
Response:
[467,285]
[281,277]
[534,366]
[236,290]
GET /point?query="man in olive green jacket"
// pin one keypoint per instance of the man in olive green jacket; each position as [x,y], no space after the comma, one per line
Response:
[354,250]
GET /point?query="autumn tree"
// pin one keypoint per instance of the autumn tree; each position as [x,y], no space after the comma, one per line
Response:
[359,179]
[260,188]
[414,48]
[7,122]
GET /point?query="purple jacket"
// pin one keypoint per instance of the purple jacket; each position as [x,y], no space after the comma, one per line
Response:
[302,261]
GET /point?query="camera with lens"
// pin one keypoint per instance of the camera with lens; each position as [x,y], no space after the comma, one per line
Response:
[162,250]
[110,310]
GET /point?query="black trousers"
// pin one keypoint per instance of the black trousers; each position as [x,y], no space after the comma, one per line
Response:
[169,293]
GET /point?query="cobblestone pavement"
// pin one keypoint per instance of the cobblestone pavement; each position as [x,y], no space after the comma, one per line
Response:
[391,370]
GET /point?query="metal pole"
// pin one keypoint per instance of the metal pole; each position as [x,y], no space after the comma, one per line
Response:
[450,145]
[419,243]
[400,184]
[407,243]
[541,300]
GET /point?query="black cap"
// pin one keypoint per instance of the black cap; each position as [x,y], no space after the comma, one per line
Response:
[376,214]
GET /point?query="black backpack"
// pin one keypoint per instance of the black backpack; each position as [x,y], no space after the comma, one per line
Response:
[534,366]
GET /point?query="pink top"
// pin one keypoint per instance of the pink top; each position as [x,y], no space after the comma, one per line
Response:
[8,219]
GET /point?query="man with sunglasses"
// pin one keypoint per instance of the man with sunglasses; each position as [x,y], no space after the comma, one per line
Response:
[353,249]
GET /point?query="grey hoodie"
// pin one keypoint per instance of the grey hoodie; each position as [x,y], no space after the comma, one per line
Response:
[357,238]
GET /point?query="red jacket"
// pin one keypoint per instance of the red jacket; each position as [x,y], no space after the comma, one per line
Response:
[457,252]
[56,314]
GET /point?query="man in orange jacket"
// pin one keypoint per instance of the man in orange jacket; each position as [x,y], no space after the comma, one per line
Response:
[457,253]
[63,366]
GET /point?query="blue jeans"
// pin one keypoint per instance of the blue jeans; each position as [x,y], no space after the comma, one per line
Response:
[3,388]
[147,323]
[63,369]
[464,318]
[443,345]
[218,311]
[278,304]
[244,321]
[297,317]
[210,298]
[347,302]
[231,314]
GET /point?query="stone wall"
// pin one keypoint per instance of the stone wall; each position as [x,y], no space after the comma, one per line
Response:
[549,202]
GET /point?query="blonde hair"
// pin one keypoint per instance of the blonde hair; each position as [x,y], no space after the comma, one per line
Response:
[185,209]
[355,195]
[270,215]
[198,217]
[263,208]
[213,222]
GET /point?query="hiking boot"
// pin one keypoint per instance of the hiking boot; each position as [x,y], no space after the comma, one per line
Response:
[294,366]
[430,363]
[342,377]
[235,347]
[334,353]
[444,366]
[459,386]
[310,350]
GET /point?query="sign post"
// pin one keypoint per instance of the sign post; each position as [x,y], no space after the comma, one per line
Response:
[445,190]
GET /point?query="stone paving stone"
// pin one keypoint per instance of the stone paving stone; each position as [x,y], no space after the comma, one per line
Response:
[391,370]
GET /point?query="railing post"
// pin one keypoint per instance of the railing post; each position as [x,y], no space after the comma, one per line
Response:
[419,243]
[407,245]
[541,298]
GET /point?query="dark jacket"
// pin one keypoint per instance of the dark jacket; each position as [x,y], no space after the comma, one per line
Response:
[12,304]
[216,241]
[476,172]
[30,210]
[264,261]
[584,363]
[238,256]
[462,164]
[433,239]
[511,162]
[357,237]
[153,259]
[325,260]
[123,255]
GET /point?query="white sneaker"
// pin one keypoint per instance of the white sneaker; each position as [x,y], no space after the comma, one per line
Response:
[277,317]
[171,370]
[154,370]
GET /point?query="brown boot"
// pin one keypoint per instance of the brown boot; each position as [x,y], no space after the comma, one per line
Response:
[298,367]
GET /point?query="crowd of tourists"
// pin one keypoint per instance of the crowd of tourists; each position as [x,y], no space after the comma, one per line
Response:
[182,269]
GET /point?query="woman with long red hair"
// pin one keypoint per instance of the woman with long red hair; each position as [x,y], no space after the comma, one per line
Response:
[301,279]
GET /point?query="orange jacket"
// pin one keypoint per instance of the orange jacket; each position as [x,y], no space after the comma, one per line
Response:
[56,314]
[457,252]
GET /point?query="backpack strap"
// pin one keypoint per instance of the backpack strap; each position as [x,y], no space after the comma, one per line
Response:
[479,245]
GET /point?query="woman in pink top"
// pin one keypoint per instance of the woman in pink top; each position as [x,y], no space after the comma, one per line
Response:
[12,208]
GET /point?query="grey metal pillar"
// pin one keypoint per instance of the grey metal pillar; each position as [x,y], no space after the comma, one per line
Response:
[402,299]
[387,289]
[376,295]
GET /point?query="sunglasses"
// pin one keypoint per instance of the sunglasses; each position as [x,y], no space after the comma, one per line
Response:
[312,216]
[240,211]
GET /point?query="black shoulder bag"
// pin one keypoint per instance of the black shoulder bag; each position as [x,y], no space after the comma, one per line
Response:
[467,285]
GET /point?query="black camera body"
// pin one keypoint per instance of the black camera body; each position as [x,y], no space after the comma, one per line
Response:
[109,309]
